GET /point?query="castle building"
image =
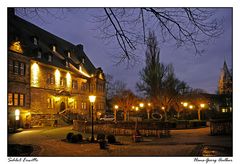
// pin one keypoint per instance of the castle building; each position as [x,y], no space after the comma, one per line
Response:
[48,76]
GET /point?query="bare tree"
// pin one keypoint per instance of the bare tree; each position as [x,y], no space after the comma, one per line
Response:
[126,27]
[125,100]
[189,27]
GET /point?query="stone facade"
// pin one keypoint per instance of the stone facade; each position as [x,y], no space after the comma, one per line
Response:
[47,76]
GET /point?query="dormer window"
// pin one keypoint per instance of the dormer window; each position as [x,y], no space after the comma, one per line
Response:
[35,41]
[69,54]
[54,48]
[83,60]
[16,47]
[67,64]
[39,54]
[49,58]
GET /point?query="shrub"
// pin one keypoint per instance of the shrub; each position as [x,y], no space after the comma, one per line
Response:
[111,139]
[101,136]
[75,138]
[69,137]
[80,137]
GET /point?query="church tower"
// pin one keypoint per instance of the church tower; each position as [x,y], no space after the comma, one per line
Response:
[225,81]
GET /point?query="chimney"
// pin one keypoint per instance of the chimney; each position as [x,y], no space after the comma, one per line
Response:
[80,46]
[11,12]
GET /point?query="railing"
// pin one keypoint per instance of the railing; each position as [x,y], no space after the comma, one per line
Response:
[221,127]
[157,129]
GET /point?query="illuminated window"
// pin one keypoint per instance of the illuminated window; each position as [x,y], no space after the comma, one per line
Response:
[50,102]
[10,99]
[83,60]
[15,99]
[84,105]
[54,48]
[21,100]
[57,77]
[75,104]
[69,54]
[35,75]
[35,41]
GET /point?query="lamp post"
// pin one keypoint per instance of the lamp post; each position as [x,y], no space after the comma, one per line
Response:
[92,99]
[115,113]
[184,104]
[148,110]
[199,111]
[136,108]
[17,114]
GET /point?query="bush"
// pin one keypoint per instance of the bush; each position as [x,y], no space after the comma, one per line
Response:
[69,137]
[101,136]
[80,137]
[111,139]
[75,138]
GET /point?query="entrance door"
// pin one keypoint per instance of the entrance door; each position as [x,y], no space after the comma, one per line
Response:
[62,106]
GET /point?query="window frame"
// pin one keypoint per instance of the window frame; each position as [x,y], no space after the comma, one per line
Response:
[16,99]
[10,95]
[35,41]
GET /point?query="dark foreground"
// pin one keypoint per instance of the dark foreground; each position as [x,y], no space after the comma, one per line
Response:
[49,142]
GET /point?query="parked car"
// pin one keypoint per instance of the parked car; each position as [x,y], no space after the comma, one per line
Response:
[107,118]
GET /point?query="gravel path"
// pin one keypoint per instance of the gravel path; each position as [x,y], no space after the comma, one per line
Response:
[181,143]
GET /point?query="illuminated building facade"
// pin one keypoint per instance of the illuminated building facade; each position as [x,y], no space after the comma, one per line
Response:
[48,76]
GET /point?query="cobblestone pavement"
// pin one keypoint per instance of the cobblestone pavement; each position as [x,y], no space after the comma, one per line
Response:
[191,142]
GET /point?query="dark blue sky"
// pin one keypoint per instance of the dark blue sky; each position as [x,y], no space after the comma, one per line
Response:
[199,71]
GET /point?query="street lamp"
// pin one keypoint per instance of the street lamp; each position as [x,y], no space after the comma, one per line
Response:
[202,105]
[116,106]
[148,110]
[190,106]
[115,113]
[136,108]
[199,110]
[92,99]
[141,105]
[17,114]
[185,104]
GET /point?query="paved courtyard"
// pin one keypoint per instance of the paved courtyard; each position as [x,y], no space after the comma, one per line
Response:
[181,143]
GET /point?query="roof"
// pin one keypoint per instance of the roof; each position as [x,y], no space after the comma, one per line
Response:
[25,32]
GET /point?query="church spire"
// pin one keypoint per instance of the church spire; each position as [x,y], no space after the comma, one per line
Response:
[225,81]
